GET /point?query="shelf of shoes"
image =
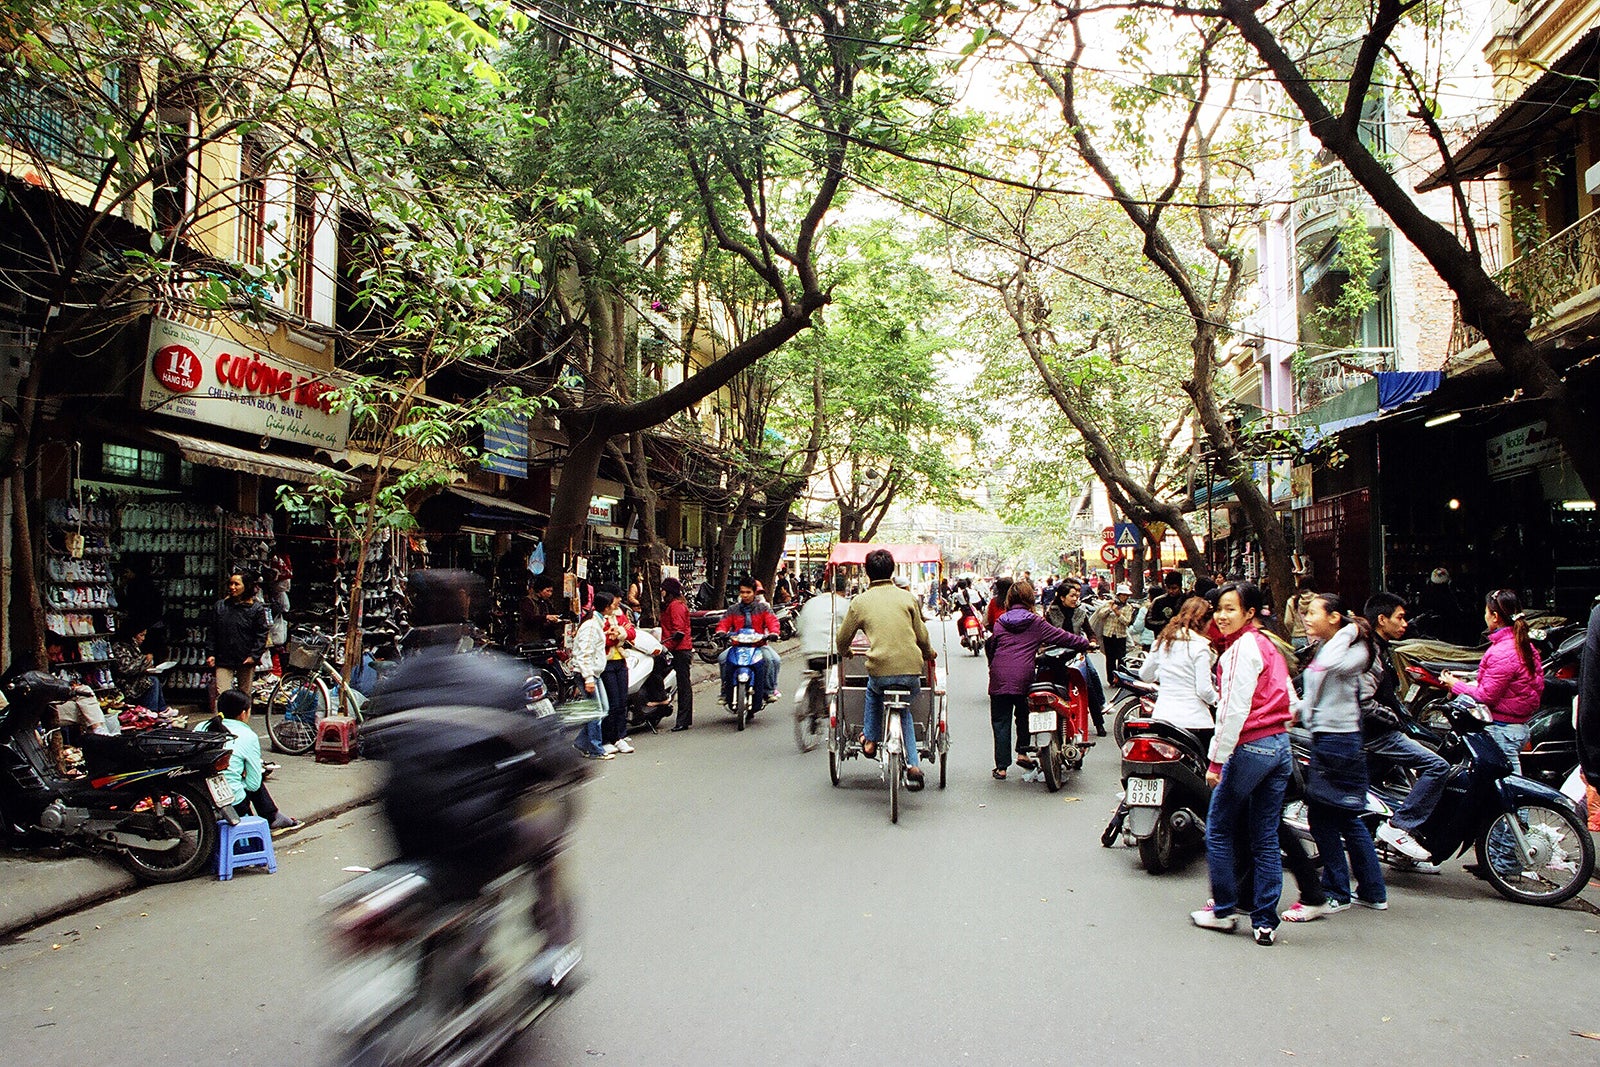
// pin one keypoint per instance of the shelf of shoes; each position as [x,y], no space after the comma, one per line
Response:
[181,544]
[79,603]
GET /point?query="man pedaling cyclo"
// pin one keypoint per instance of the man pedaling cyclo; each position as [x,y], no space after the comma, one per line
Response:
[465,753]
[748,613]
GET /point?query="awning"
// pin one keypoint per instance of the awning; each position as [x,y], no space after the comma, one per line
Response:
[455,508]
[1530,121]
[856,552]
[267,464]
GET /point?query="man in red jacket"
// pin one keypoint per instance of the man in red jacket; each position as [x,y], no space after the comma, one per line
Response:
[749,613]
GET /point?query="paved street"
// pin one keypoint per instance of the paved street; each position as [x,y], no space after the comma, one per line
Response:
[740,910]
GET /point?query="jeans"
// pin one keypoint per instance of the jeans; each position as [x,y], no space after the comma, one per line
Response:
[1116,649]
[1510,736]
[1253,783]
[614,679]
[1003,709]
[872,727]
[1339,830]
[770,654]
[1431,769]
[681,662]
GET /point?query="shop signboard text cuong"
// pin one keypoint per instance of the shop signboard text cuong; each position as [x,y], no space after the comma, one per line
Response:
[199,376]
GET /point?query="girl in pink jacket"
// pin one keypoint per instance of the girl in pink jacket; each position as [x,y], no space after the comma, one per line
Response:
[1510,677]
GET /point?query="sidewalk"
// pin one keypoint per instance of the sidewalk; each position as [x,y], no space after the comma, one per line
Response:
[41,885]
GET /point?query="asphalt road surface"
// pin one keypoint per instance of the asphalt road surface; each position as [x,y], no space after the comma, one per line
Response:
[740,910]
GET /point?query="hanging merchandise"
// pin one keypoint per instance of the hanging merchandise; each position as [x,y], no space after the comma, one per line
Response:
[79,601]
[536,559]
[175,544]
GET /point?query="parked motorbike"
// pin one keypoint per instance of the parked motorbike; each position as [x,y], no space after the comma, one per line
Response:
[785,614]
[971,632]
[150,798]
[1529,840]
[1165,794]
[749,677]
[1058,714]
[703,636]
[652,683]
[550,660]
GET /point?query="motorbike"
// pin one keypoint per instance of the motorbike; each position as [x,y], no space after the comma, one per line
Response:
[1058,714]
[652,683]
[550,660]
[1165,794]
[151,798]
[1138,701]
[440,964]
[785,614]
[971,632]
[703,636]
[1530,842]
[811,704]
[749,677]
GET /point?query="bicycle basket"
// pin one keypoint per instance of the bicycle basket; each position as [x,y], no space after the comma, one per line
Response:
[299,656]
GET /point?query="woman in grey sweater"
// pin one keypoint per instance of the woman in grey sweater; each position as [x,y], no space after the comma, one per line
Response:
[1336,789]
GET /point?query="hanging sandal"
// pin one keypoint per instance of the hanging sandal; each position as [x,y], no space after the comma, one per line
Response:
[1027,763]
[869,749]
[999,774]
[914,779]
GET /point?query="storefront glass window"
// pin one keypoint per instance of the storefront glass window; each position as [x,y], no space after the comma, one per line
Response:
[137,464]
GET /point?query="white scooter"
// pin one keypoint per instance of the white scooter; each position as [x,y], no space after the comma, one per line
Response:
[652,683]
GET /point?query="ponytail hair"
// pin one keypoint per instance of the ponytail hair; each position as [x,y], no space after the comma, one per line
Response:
[1505,604]
[1333,605]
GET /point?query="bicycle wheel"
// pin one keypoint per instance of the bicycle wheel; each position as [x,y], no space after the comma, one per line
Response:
[896,772]
[298,702]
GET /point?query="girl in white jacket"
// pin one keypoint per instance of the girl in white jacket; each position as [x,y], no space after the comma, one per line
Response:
[1180,661]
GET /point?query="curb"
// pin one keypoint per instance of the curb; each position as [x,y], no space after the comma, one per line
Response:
[121,883]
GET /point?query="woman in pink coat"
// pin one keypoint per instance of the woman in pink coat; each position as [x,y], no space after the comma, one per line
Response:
[1510,679]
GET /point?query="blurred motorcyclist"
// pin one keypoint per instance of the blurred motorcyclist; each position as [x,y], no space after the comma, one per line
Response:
[464,754]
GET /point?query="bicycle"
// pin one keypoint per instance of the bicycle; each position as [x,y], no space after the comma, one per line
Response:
[305,694]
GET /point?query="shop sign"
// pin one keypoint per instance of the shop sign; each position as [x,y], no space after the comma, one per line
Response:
[1520,450]
[1281,479]
[201,377]
[1300,486]
[599,512]
[1221,527]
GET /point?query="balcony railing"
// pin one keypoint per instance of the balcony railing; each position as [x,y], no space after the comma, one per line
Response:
[1325,192]
[1328,374]
[1544,276]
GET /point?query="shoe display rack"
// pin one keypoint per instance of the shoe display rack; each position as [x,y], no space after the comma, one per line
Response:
[79,601]
[177,542]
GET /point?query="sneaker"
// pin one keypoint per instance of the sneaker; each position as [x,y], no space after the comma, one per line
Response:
[1207,919]
[1266,935]
[1375,905]
[1401,863]
[1334,907]
[1304,913]
[594,755]
[625,747]
[1403,843]
[610,750]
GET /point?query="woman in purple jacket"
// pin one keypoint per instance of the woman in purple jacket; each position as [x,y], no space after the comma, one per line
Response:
[1017,636]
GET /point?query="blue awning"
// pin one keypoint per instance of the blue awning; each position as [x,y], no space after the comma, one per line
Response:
[1402,387]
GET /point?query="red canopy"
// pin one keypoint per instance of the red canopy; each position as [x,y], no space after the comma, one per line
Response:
[856,552]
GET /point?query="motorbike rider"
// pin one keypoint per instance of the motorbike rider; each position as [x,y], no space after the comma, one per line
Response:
[968,600]
[1387,615]
[1075,619]
[459,775]
[748,613]
[898,647]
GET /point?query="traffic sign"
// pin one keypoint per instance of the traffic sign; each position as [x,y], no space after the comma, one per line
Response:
[1110,553]
[1127,535]
[1109,534]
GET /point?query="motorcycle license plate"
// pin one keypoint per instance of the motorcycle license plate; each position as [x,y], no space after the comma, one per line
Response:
[1041,722]
[1146,792]
[221,792]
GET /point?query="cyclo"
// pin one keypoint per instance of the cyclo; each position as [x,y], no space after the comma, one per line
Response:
[847,702]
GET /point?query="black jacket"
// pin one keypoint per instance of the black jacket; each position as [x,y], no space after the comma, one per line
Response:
[238,632]
[1589,701]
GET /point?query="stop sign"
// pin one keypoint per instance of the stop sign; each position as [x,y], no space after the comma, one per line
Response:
[1109,534]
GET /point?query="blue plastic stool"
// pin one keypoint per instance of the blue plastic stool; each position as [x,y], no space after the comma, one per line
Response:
[247,845]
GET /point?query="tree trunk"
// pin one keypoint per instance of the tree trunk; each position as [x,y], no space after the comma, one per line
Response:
[569,514]
[774,532]
[27,604]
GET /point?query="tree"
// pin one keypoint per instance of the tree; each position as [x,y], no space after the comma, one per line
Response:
[761,125]
[1105,366]
[1330,88]
[1199,189]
